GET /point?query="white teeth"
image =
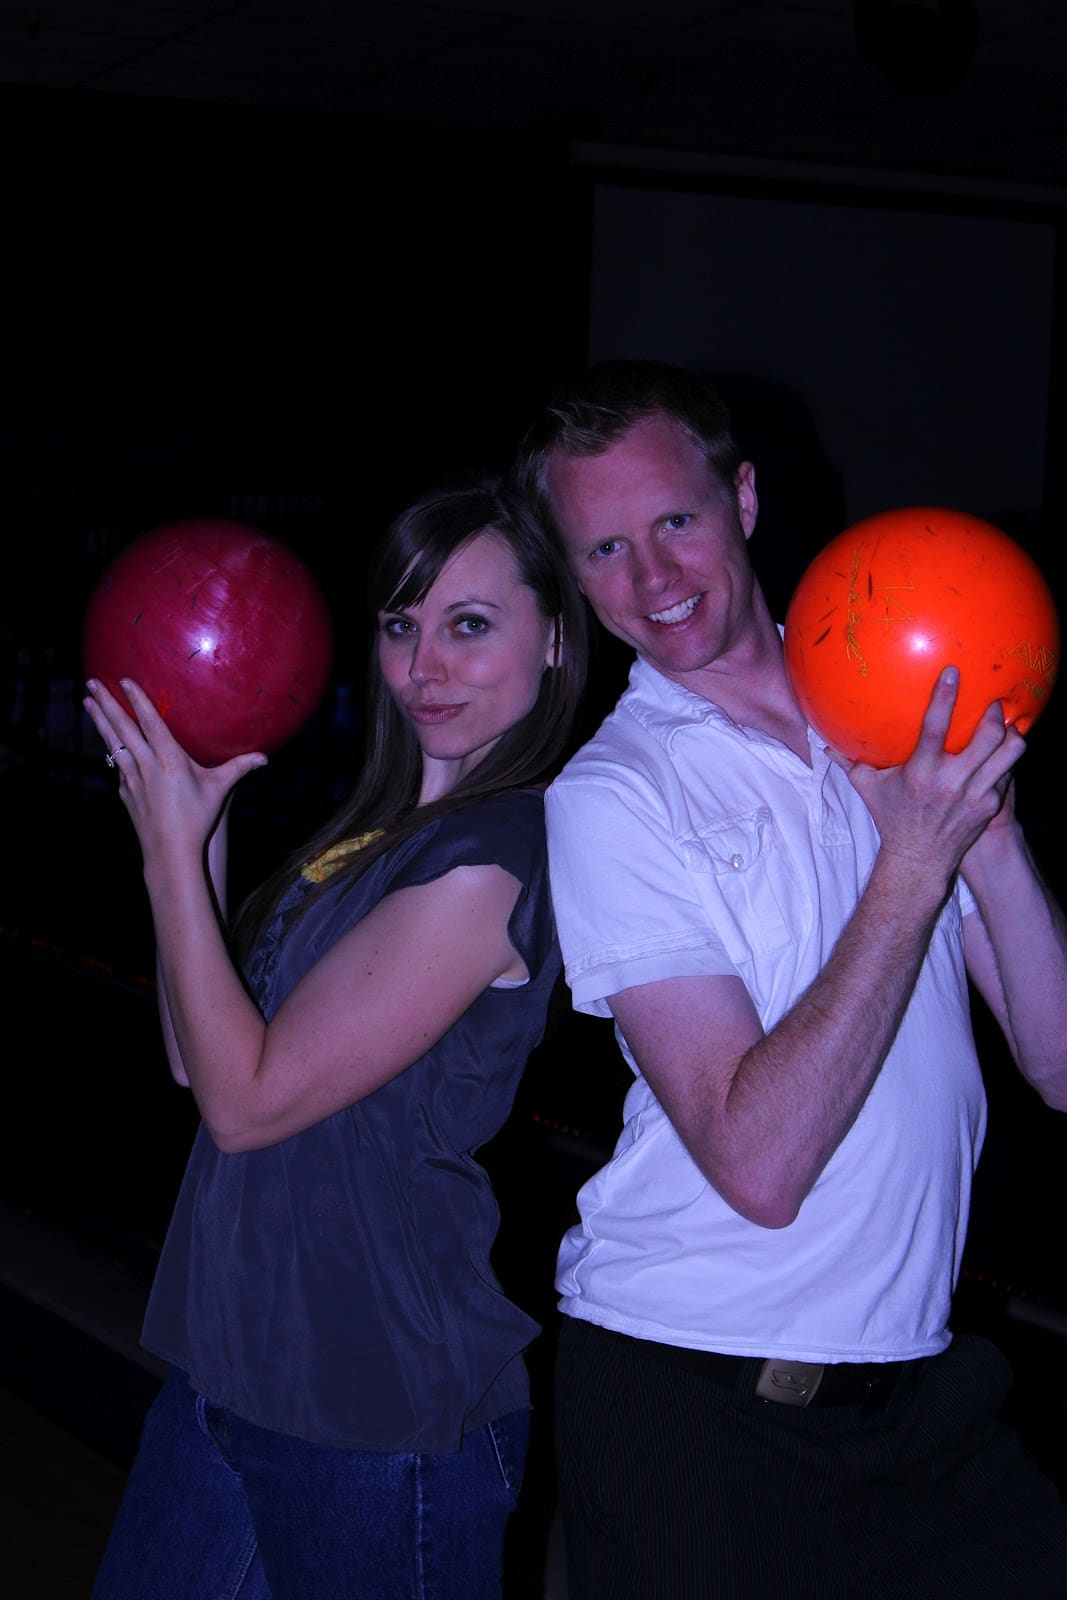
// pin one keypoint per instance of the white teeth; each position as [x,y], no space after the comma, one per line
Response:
[677,613]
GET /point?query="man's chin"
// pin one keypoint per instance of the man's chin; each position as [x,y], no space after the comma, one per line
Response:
[670,642]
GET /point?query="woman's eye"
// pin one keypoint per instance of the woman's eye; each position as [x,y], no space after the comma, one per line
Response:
[397,627]
[473,625]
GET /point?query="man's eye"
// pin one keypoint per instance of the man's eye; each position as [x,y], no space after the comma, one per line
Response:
[607,547]
[679,520]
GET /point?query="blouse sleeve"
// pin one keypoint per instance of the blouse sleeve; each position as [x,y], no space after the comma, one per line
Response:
[506,829]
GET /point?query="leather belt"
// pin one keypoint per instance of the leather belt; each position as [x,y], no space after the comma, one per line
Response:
[793,1383]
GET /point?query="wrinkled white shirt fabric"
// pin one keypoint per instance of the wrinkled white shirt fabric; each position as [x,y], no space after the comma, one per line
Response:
[682,844]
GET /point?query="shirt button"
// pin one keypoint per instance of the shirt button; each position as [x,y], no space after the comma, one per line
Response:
[737,862]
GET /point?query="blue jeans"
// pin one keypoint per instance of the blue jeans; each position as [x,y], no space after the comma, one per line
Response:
[218,1509]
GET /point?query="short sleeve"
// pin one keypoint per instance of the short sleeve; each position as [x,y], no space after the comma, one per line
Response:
[505,830]
[627,909]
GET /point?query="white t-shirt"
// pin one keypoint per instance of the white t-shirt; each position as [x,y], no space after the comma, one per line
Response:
[682,844]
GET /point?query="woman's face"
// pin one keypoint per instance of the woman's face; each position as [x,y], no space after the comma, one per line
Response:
[465,664]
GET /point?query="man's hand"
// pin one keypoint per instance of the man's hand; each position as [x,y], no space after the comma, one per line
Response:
[933,808]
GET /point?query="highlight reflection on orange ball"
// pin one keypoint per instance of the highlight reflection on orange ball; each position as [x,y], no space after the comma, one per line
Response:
[893,599]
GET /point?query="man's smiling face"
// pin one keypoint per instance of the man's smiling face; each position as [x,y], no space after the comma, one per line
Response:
[658,543]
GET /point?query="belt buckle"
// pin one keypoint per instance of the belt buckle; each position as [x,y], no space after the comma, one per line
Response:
[791,1383]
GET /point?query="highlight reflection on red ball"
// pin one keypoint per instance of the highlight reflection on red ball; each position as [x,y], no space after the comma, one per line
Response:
[893,599]
[224,627]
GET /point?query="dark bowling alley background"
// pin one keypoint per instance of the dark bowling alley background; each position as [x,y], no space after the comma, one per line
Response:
[300,324]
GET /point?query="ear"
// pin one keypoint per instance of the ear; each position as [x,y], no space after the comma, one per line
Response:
[746,497]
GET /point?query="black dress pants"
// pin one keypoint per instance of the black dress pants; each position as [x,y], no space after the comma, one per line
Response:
[677,1486]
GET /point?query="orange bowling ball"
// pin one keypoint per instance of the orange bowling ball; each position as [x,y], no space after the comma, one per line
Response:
[895,598]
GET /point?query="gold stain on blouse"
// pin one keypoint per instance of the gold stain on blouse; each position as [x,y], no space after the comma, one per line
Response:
[321,867]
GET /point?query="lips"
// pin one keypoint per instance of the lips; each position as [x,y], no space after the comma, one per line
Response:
[678,613]
[429,716]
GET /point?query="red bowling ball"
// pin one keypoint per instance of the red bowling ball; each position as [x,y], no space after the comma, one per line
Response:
[223,626]
[893,599]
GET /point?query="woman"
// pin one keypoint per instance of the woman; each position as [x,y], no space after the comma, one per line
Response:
[346,1413]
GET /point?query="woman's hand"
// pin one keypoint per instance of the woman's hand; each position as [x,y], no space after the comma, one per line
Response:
[177,807]
[173,802]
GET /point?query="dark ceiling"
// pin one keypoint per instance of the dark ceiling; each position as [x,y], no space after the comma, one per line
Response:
[942,92]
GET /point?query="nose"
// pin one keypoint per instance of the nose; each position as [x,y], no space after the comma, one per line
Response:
[427,662]
[655,568]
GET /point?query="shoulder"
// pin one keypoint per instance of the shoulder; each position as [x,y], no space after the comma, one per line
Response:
[636,736]
[623,768]
[497,815]
[505,829]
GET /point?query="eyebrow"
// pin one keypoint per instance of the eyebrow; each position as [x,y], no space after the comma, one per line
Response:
[456,605]
[473,600]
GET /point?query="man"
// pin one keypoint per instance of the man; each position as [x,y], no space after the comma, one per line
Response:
[758,1395]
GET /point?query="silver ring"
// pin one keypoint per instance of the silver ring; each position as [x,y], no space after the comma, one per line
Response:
[110,757]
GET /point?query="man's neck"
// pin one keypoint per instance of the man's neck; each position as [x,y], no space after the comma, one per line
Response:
[751,686]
